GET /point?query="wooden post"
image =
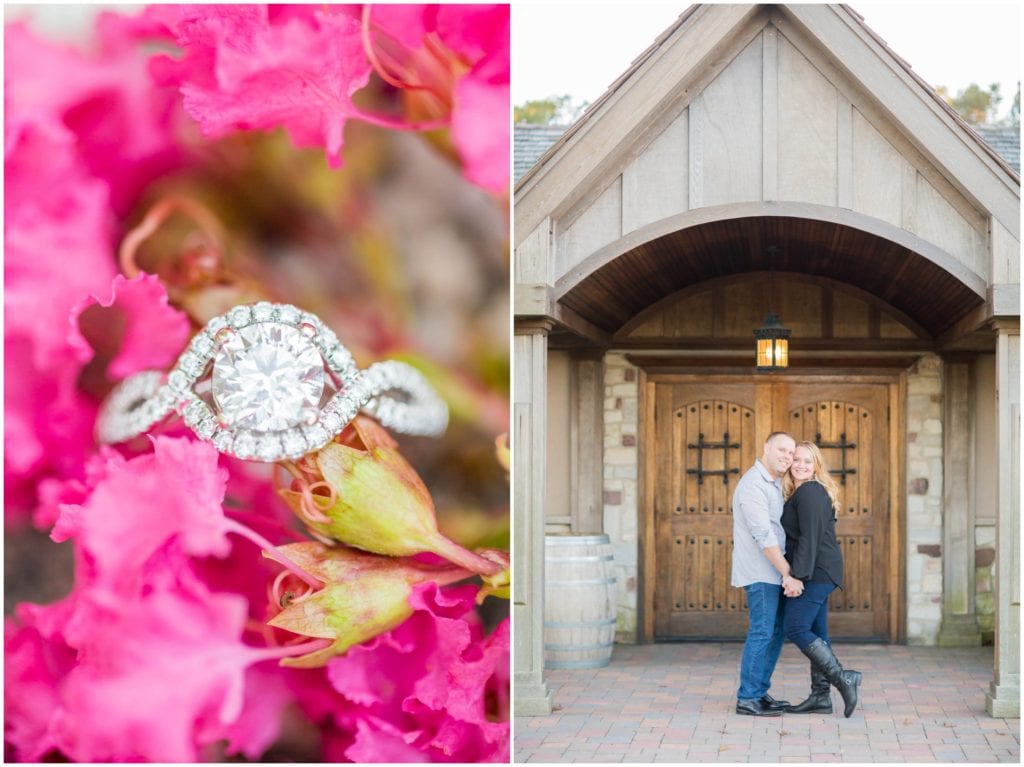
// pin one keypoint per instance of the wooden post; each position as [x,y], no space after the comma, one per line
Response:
[530,349]
[586,442]
[959,627]
[1003,697]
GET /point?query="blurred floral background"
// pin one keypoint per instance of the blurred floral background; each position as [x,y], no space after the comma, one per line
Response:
[165,165]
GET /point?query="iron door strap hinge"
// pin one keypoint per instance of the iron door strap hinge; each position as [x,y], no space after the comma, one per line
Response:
[724,446]
[842,446]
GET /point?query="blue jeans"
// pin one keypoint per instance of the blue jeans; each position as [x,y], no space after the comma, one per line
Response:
[807,615]
[764,639]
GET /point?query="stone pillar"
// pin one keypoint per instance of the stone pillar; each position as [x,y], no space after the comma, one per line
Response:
[924,501]
[621,471]
[585,443]
[1003,697]
[529,413]
[959,627]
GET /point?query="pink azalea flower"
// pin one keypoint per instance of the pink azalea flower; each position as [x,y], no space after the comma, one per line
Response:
[38,243]
[166,669]
[80,134]
[480,119]
[140,615]
[121,125]
[49,421]
[460,55]
[427,681]
[54,493]
[244,70]
[173,494]
[483,142]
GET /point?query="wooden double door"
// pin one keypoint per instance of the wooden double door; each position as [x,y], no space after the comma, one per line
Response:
[706,433]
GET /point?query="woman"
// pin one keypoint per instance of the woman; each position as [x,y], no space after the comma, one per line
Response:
[809,519]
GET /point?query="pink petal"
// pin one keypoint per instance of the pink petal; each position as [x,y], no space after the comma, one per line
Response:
[152,333]
[480,127]
[258,723]
[33,671]
[430,681]
[122,125]
[53,259]
[299,74]
[48,424]
[175,494]
[49,421]
[480,117]
[378,742]
[475,31]
[177,656]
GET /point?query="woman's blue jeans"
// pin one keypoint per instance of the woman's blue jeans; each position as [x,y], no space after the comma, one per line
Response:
[807,615]
[764,639]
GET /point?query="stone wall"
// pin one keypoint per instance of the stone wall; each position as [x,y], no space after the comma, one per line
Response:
[621,400]
[924,501]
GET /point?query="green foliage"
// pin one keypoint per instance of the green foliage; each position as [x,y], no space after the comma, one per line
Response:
[973,103]
[554,110]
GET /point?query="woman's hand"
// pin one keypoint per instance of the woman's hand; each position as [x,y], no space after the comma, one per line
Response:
[792,587]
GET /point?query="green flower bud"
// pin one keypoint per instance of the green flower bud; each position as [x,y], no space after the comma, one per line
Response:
[364,595]
[381,504]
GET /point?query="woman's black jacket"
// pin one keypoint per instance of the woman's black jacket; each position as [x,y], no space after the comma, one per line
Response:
[811,546]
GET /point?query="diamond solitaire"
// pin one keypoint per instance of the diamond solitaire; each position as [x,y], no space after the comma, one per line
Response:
[264,397]
[267,377]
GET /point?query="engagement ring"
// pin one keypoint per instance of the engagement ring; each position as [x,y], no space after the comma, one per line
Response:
[270,382]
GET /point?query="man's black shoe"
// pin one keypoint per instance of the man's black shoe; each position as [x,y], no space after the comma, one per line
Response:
[770,703]
[755,708]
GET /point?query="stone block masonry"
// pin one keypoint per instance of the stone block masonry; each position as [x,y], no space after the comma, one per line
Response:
[621,397]
[924,501]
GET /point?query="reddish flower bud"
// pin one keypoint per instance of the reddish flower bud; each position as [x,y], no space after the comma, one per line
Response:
[364,595]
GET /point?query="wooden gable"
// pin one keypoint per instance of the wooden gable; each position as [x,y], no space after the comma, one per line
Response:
[760,112]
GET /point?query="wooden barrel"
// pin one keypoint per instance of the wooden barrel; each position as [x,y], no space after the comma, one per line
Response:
[579,601]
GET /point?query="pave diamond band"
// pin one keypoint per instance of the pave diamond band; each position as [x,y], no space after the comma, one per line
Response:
[270,382]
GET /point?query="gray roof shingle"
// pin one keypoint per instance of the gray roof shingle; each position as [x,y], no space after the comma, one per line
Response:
[1006,142]
[529,143]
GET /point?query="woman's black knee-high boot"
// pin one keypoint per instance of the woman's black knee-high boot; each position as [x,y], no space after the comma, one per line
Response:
[820,699]
[847,682]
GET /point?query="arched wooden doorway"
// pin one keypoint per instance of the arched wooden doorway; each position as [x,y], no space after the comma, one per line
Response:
[705,431]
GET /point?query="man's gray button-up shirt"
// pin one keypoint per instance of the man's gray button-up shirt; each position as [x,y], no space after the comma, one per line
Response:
[756,515]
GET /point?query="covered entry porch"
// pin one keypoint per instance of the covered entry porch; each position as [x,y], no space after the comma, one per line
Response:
[653,409]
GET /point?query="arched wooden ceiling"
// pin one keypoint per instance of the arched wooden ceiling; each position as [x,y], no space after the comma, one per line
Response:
[618,291]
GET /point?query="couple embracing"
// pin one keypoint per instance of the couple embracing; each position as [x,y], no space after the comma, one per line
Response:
[787,559]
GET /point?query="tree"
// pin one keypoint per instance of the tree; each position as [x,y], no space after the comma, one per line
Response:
[973,103]
[1013,118]
[554,110]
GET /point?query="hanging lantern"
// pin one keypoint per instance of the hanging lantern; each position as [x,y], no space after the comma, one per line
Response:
[772,344]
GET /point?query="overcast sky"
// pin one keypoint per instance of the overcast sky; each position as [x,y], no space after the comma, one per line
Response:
[580,48]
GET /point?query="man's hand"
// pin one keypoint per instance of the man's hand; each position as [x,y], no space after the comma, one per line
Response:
[792,587]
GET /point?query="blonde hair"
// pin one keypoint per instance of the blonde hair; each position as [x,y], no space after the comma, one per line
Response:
[820,475]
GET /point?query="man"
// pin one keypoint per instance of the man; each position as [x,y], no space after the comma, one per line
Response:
[760,568]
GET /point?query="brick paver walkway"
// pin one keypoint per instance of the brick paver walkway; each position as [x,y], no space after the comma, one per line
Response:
[674,703]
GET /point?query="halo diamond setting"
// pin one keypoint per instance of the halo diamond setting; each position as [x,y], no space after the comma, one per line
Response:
[269,382]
